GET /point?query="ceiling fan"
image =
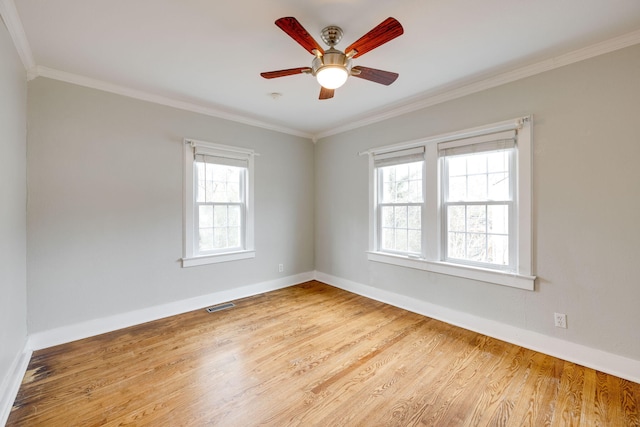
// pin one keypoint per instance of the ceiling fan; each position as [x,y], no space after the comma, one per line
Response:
[332,67]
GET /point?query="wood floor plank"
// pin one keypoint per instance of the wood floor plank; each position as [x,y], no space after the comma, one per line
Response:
[312,355]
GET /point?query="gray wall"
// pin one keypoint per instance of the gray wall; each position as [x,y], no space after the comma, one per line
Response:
[105,205]
[13,202]
[586,203]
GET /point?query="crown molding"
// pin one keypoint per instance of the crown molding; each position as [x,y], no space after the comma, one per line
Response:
[439,95]
[16,31]
[79,80]
[463,88]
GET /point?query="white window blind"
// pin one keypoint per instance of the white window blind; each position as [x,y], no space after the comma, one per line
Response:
[398,157]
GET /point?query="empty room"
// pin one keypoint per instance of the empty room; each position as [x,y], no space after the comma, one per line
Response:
[319,213]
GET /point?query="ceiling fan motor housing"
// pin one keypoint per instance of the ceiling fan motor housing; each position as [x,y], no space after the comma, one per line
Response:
[331,35]
[331,58]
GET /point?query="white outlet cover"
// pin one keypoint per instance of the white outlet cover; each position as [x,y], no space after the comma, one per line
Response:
[560,320]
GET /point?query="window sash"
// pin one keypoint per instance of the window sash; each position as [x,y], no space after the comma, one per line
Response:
[399,229]
[487,234]
[198,228]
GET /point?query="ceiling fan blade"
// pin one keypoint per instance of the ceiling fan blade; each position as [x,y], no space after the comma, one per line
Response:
[296,31]
[284,73]
[387,30]
[326,93]
[378,76]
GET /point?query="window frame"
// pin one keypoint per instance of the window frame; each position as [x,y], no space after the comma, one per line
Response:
[511,202]
[432,258]
[191,254]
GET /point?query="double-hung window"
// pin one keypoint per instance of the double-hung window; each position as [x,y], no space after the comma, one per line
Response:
[457,204]
[400,200]
[478,201]
[218,208]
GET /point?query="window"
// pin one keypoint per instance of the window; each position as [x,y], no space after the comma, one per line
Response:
[218,211]
[478,208]
[400,204]
[457,204]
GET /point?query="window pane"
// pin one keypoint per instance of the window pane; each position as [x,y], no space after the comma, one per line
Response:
[234,236]
[387,238]
[401,242]
[457,166]
[477,219]
[458,188]
[498,161]
[219,191]
[415,191]
[415,171]
[415,217]
[476,164]
[498,186]
[216,172]
[477,187]
[205,241]
[401,183]
[388,192]
[402,191]
[220,237]
[234,216]
[205,216]
[498,219]
[387,216]
[400,217]
[415,241]
[220,216]
[498,249]
[456,218]
[476,247]
[233,192]
[456,246]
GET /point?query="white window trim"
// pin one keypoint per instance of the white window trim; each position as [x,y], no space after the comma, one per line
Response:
[190,258]
[523,278]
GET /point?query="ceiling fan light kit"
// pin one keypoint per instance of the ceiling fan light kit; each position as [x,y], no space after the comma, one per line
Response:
[333,67]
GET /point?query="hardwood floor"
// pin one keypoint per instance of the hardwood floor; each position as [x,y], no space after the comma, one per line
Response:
[312,355]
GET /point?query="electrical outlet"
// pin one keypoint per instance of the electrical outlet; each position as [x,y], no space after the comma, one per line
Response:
[560,320]
[280,268]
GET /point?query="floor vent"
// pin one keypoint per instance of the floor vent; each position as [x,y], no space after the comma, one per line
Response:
[220,307]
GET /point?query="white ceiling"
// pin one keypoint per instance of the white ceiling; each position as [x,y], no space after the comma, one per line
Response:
[208,54]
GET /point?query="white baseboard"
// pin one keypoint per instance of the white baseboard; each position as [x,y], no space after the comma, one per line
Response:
[11,383]
[93,327]
[610,363]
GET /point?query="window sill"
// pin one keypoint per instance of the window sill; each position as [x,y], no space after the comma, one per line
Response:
[214,259]
[484,275]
